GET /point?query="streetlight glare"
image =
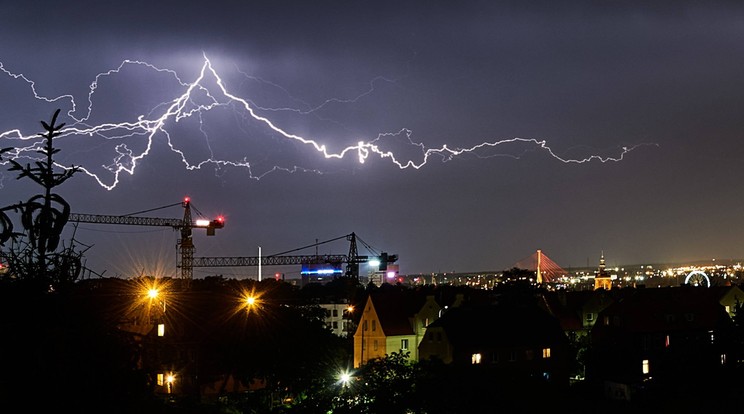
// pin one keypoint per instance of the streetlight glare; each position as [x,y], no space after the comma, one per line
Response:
[344,378]
[250,301]
[152,293]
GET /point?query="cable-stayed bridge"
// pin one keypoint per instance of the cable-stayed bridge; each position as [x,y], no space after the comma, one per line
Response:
[547,270]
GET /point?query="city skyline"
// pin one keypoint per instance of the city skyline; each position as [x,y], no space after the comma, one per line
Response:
[460,137]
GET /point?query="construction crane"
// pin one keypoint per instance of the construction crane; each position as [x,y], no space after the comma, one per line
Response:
[352,259]
[185,244]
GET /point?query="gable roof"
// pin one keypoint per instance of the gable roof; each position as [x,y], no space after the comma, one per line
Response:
[395,308]
[672,308]
[500,325]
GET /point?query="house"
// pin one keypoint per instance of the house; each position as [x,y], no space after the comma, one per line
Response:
[393,321]
[514,341]
[577,310]
[661,337]
[729,296]
[337,317]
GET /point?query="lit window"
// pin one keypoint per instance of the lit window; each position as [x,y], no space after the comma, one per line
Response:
[161,379]
[546,352]
[404,344]
[475,358]
[161,329]
[723,359]
[645,366]
[712,337]
[666,341]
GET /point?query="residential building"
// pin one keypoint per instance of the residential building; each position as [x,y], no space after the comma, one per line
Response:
[659,337]
[393,321]
[514,341]
[338,318]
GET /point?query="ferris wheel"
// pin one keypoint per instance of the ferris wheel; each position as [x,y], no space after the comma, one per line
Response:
[697,278]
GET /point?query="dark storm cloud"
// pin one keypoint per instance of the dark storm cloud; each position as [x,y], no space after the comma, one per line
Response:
[586,77]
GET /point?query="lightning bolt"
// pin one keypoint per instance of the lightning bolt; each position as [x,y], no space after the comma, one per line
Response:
[208,92]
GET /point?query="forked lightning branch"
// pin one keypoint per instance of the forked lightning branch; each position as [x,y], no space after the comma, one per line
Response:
[207,92]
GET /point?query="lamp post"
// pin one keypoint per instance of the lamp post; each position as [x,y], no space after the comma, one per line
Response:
[153,294]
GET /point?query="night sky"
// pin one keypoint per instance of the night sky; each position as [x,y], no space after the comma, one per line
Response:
[610,127]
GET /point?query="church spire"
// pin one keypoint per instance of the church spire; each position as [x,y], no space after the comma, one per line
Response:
[601,279]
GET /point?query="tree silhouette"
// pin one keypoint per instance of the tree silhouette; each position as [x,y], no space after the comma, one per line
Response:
[34,254]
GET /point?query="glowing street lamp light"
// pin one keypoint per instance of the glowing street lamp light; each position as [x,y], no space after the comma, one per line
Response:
[251,302]
[169,380]
[344,378]
[153,294]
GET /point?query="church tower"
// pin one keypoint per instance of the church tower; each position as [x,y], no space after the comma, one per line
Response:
[602,279]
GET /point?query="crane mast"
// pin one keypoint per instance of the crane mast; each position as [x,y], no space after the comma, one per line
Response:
[186,245]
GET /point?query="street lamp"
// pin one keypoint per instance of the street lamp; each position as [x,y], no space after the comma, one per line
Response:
[251,301]
[169,380]
[153,294]
[344,378]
